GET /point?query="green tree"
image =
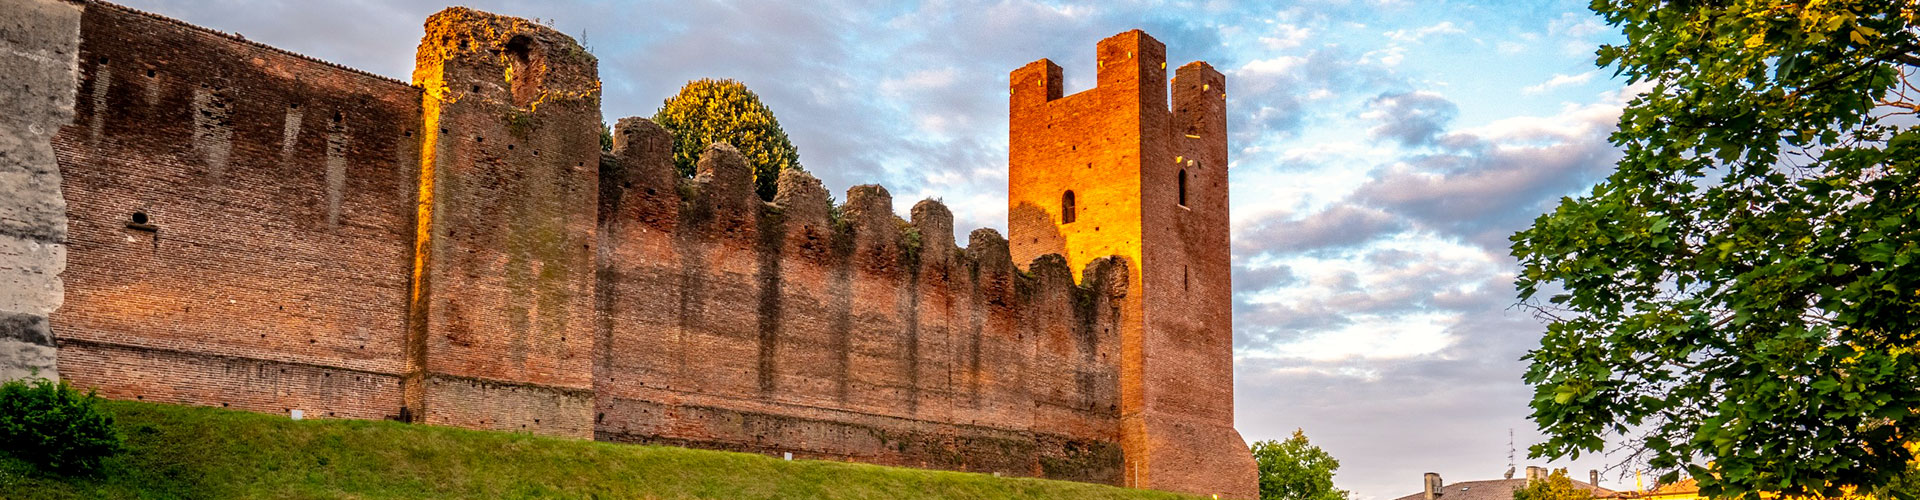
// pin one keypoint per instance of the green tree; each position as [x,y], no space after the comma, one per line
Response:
[1739,300]
[708,111]
[1295,470]
[1557,486]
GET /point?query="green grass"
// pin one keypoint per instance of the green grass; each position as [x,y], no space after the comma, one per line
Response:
[191,452]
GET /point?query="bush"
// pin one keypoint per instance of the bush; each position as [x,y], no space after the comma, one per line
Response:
[55,426]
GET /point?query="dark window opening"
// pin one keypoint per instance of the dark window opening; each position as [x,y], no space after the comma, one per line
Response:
[521,74]
[1066,208]
[139,217]
[1183,187]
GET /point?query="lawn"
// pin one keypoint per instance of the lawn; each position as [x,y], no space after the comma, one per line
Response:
[192,452]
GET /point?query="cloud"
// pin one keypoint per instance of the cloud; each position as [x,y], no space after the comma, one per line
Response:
[1413,118]
[1341,226]
[1561,80]
[1416,34]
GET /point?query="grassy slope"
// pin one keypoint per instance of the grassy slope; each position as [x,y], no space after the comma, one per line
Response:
[189,452]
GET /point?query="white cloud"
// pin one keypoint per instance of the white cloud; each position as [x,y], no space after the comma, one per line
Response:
[1415,34]
[1560,80]
[1285,36]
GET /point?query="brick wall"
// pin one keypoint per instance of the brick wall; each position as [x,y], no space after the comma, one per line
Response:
[255,229]
[737,324]
[239,222]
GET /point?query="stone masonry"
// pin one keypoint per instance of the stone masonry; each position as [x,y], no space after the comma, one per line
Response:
[193,218]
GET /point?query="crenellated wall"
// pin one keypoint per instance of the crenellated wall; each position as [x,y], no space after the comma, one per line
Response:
[250,228]
[773,327]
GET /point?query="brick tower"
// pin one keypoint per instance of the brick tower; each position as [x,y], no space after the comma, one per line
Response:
[1113,171]
[500,325]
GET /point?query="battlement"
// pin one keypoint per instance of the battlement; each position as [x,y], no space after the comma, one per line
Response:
[1123,171]
[250,228]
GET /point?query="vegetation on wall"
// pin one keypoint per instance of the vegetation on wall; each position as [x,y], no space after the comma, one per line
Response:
[708,111]
[1740,300]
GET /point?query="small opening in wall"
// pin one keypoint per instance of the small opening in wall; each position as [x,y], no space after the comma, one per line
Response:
[1067,214]
[152,73]
[103,60]
[476,89]
[337,117]
[524,74]
[141,222]
[509,147]
[1186,279]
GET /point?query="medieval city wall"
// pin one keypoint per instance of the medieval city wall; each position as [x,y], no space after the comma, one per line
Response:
[733,323]
[254,229]
[240,223]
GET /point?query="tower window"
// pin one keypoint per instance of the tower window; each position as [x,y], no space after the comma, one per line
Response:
[1066,208]
[1183,187]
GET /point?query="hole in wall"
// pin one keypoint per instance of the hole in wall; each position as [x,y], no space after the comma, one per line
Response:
[103,60]
[140,218]
[152,73]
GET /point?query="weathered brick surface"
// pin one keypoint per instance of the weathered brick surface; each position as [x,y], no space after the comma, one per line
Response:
[1123,153]
[276,226]
[459,251]
[503,281]
[737,324]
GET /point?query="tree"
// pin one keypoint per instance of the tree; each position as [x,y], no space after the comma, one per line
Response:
[1556,486]
[1740,299]
[708,111]
[1296,470]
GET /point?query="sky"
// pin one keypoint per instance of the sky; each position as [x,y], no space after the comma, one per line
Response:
[1382,151]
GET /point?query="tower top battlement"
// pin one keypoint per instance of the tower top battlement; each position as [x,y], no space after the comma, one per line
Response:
[1137,168]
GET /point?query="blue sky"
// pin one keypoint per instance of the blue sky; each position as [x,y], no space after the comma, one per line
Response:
[1382,152]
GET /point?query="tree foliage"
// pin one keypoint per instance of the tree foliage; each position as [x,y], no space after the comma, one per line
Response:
[1296,470]
[708,111]
[1556,486]
[1739,300]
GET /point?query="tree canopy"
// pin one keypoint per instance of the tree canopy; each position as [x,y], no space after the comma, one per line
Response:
[1296,470]
[1556,486]
[1739,301]
[707,111]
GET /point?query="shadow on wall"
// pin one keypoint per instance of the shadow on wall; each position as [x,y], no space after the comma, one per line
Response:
[1037,225]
